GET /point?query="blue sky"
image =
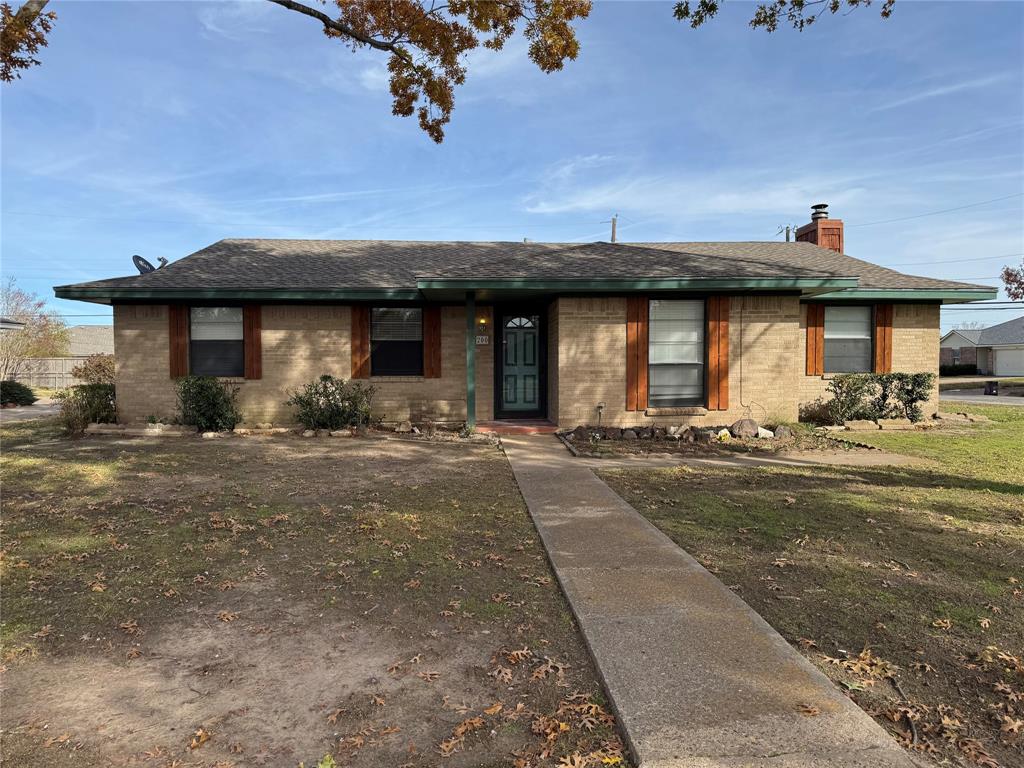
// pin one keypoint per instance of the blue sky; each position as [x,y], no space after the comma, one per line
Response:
[159,127]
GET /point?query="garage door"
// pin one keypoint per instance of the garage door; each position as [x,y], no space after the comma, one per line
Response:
[1009,362]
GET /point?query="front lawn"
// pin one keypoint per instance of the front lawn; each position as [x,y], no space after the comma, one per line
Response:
[904,584]
[266,601]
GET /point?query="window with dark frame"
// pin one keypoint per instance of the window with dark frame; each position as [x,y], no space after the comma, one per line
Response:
[216,342]
[675,353]
[849,341]
[396,341]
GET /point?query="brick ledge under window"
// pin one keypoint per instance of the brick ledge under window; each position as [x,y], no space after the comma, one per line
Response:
[397,378]
[691,410]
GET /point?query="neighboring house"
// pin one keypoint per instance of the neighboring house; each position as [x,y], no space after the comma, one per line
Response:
[621,333]
[997,351]
[6,324]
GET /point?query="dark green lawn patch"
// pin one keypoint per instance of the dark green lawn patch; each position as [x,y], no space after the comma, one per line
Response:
[382,601]
[905,585]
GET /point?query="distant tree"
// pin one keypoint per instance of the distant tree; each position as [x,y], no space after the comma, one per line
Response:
[43,334]
[22,34]
[798,13]
[969,325]
[427,41]
[1013,279]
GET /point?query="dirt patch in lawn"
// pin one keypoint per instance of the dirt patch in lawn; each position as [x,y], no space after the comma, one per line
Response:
[266,601]
[903,584]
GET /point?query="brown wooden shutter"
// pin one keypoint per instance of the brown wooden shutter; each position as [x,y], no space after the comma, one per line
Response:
[636,352]
[178,334]
[718,353]
[252,333]
[432,342]
[815,339]
[883,338]
[360,342]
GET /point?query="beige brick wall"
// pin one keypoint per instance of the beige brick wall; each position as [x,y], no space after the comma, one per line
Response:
[300,342]
[915,349]
[552,360]
[591,343]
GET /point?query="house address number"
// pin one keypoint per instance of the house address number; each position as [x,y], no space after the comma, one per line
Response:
[483,341]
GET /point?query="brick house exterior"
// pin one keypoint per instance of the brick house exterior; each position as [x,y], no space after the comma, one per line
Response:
[616,333]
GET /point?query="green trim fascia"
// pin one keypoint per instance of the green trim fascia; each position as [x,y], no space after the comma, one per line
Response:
[276,294]
[649,284]
[946,296]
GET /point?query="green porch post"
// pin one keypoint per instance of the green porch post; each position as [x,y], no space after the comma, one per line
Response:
[470,359]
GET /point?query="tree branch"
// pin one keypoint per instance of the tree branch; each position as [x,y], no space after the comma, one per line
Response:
[344,29]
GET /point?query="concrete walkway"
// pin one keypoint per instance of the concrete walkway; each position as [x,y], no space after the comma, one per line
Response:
[696,677]
[38,410]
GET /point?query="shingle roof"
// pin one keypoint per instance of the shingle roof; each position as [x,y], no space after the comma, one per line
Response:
[357,264]
[972,335]
[1010,332]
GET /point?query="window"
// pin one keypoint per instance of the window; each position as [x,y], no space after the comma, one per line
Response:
[676,353]
[396,341]
[216,342]
[848,342]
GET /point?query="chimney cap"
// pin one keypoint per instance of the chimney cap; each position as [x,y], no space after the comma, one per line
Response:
[819,211]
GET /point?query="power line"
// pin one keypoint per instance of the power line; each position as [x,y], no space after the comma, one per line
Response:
[951,261]
[936,213]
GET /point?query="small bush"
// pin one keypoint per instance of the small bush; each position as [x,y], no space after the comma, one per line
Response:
[330,403]
[960,369]
[17,393]
[86,404]
[852,395]
[208,404]
[907,391]
[95,369]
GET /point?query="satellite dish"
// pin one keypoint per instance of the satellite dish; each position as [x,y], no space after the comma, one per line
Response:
[142,265]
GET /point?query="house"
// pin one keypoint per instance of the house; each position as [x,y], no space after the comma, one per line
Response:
[7,324]
[997,351]
[574,333]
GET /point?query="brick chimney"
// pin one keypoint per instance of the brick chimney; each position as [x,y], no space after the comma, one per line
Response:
[823,231]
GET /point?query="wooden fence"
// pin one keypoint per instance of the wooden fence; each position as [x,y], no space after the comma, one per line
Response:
[52,372]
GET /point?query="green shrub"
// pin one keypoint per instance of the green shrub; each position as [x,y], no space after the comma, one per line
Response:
[330,403]
[852,397]
[86,404]
[95,369]
[16,392]
[907,391]
[877,396]
[208,404]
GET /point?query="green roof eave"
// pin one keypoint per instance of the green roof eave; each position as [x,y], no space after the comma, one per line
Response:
[109,295]
[603,285]
[941,295]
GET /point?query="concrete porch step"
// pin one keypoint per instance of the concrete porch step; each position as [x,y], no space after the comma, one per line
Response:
[516,427]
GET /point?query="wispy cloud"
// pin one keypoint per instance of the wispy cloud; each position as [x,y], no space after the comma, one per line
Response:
[233,19]
[943,90]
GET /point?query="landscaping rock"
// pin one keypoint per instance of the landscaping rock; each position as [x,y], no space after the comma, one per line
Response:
[416,430]
[629,434]
[744,428]
[830,428]
[944,416]
[341,433]
[977,418]
[765,434]
[404,426]
[309,433]
[897,424]
[580,435]
[702,436]
[659,433]
[612,433]
[688,435]
[645,433]
[264,425]
[782,432]
[212,435]
[861,425]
